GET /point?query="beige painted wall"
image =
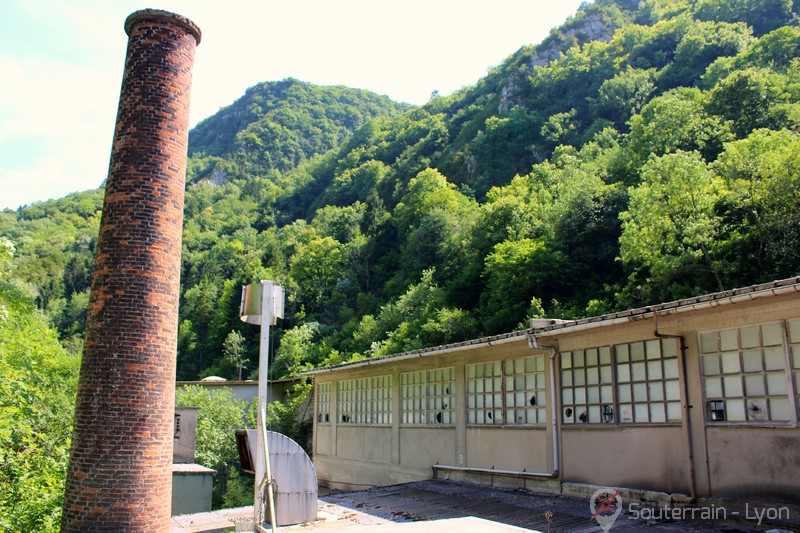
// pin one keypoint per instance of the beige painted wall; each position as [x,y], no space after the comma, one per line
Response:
[373,444]
[508,449]
[757,463]
[640,458]
[423,447]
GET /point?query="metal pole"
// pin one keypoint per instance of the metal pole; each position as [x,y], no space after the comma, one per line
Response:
[263,473]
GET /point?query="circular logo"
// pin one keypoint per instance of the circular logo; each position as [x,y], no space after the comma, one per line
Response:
[605,506]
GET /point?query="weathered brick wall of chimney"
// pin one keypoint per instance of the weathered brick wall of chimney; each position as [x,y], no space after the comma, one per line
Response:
[119,476]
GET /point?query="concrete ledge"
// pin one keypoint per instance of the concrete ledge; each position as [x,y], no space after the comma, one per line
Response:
[507,479]
[663,499]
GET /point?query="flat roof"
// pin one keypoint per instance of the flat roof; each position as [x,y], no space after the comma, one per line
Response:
[752,292]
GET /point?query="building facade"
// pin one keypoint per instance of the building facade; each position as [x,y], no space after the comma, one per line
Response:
[690,399]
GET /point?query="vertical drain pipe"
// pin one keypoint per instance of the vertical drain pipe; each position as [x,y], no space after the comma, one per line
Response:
[120,476]
[687,418]
[533,342]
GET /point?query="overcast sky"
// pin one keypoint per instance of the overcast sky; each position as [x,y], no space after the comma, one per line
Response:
[61,65]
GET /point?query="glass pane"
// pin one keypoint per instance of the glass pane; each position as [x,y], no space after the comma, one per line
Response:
[653,349]
[626,413]
[593,394]
[638,372]
[540,363]
[674,411]
[624,373]
[566,378]
[520,400]
[592,376]
[757,409]
[519,366]
[640,412]
[670,368]
[591,357]
[658,412]
[594,414]
[605,374]
[509,399]
[655,392]
[779,409]
[530,364]
[673,390]
[728,340]
[654,370]
[509,367]
[566,360]
[579,377]
[735,410]
[540,381]
[511,417]
[622,353]
[796,355]
[771,335]
[580,395]
[637,351]
[530,382]
[713,387]
[751,361]
[470,371]
[606,395]
[470,417]
[730,363]
[750,337]
[777,384]
[566,396]
[578,358]
[754,385]
[774,359]
[733,386]
[711,366]
[669,348]
[640,392]
[605,355]
[519,382]
[624,392]
[794,330]
[708,342]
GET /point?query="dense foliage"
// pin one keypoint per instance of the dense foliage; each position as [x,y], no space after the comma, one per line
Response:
[645,151]
[37,395]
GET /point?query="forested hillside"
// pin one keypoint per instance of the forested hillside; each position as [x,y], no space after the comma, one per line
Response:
[644,151]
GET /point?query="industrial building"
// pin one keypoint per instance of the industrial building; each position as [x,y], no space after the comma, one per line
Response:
[689,399]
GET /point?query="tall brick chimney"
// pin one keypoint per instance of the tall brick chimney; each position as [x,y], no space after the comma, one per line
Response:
[119,476]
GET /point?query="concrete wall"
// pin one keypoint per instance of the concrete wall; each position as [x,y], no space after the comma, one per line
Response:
[191,489]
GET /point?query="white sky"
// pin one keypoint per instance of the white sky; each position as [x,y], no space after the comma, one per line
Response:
[61,65]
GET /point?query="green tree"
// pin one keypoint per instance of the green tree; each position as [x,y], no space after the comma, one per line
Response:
[671,226]
[219,415]
[37,393]
[235,351]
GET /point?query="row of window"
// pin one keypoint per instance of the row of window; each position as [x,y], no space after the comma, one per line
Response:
[500,392]
[627,383]
[750,374]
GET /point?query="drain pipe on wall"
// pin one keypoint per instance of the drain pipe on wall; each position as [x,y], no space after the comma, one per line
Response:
[687,406]
[533,342]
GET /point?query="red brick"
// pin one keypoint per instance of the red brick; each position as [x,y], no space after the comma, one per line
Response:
[119,477]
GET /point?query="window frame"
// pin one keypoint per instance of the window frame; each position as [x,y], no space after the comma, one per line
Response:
[760,376]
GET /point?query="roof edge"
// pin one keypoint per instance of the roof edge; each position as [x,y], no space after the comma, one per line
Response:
[788,285]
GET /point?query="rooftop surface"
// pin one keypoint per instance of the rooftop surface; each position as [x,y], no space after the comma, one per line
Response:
[437,505]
